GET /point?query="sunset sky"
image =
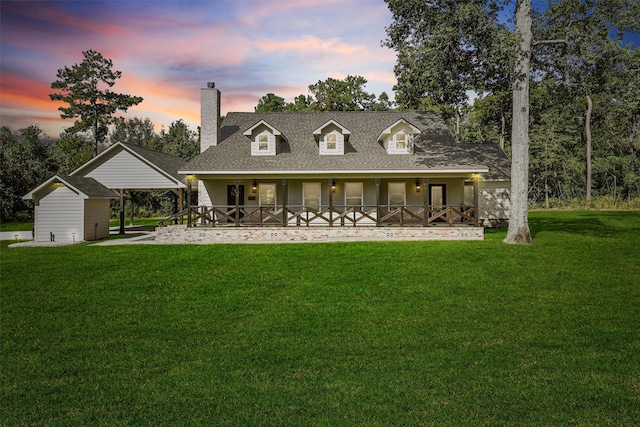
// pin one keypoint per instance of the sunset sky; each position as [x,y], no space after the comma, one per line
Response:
[168,50]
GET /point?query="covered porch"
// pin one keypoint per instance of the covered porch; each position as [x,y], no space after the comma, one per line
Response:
[344,201]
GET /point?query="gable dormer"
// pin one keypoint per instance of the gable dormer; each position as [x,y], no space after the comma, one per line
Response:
[331,138]
[264,139]
[398,138]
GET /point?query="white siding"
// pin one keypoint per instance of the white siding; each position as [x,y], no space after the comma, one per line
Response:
[126,171]
[96,211]
[204,194]
[495,202]
[60,212]
[339,150]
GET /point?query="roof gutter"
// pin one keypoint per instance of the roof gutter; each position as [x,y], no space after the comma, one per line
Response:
[337,172]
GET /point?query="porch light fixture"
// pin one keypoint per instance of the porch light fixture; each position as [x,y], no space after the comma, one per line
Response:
[418,186]
[254,186]
[73,236]
[333,186]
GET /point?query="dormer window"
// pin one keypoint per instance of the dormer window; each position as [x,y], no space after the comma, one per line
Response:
[331,141]
[263,142]
[264,139]
[398,138]
[331,138]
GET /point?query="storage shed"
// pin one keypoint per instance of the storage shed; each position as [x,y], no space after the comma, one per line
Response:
[71,209]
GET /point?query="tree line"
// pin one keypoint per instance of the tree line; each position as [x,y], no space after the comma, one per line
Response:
[348,94]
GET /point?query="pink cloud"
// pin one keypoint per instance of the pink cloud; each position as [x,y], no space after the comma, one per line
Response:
[261,10]
[310,42]
[18,92]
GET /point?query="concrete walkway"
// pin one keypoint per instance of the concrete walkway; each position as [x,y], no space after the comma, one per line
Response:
[138,237]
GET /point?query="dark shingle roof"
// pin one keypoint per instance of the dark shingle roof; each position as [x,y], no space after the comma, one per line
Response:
[492,156]
[434,147]
[88,186]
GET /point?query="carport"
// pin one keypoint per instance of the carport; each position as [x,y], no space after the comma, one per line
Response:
[128,168]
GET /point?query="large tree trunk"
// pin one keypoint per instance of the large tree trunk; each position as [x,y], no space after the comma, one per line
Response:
[518,231]
[587,126]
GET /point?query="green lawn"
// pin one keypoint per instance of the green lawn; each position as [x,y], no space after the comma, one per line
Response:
[28,226]
[341,334]
[16,226]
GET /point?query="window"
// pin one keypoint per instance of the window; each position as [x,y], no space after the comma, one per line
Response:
[263,142]
[331,141]
[267,195]
[353,194]
[401,141]
[311,194]
[397,194]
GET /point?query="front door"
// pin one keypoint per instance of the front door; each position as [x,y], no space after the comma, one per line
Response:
[437,200]
[231,200]
[437,195]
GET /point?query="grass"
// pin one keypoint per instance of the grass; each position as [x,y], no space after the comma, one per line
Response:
[137,221]
[16,226]
[28,226]
[415,333]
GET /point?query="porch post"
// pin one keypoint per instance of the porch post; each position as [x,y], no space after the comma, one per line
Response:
[121,211]
[378,213]
[425,200]
[189,184]
[175,206]
[237,203]
[330,202]
[131,198]
[285,195]
[180,205]
[476,201]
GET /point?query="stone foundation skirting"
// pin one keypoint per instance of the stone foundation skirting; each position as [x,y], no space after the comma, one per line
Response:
[181,234]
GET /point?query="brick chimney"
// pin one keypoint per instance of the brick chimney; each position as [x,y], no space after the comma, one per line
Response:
[209,116]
